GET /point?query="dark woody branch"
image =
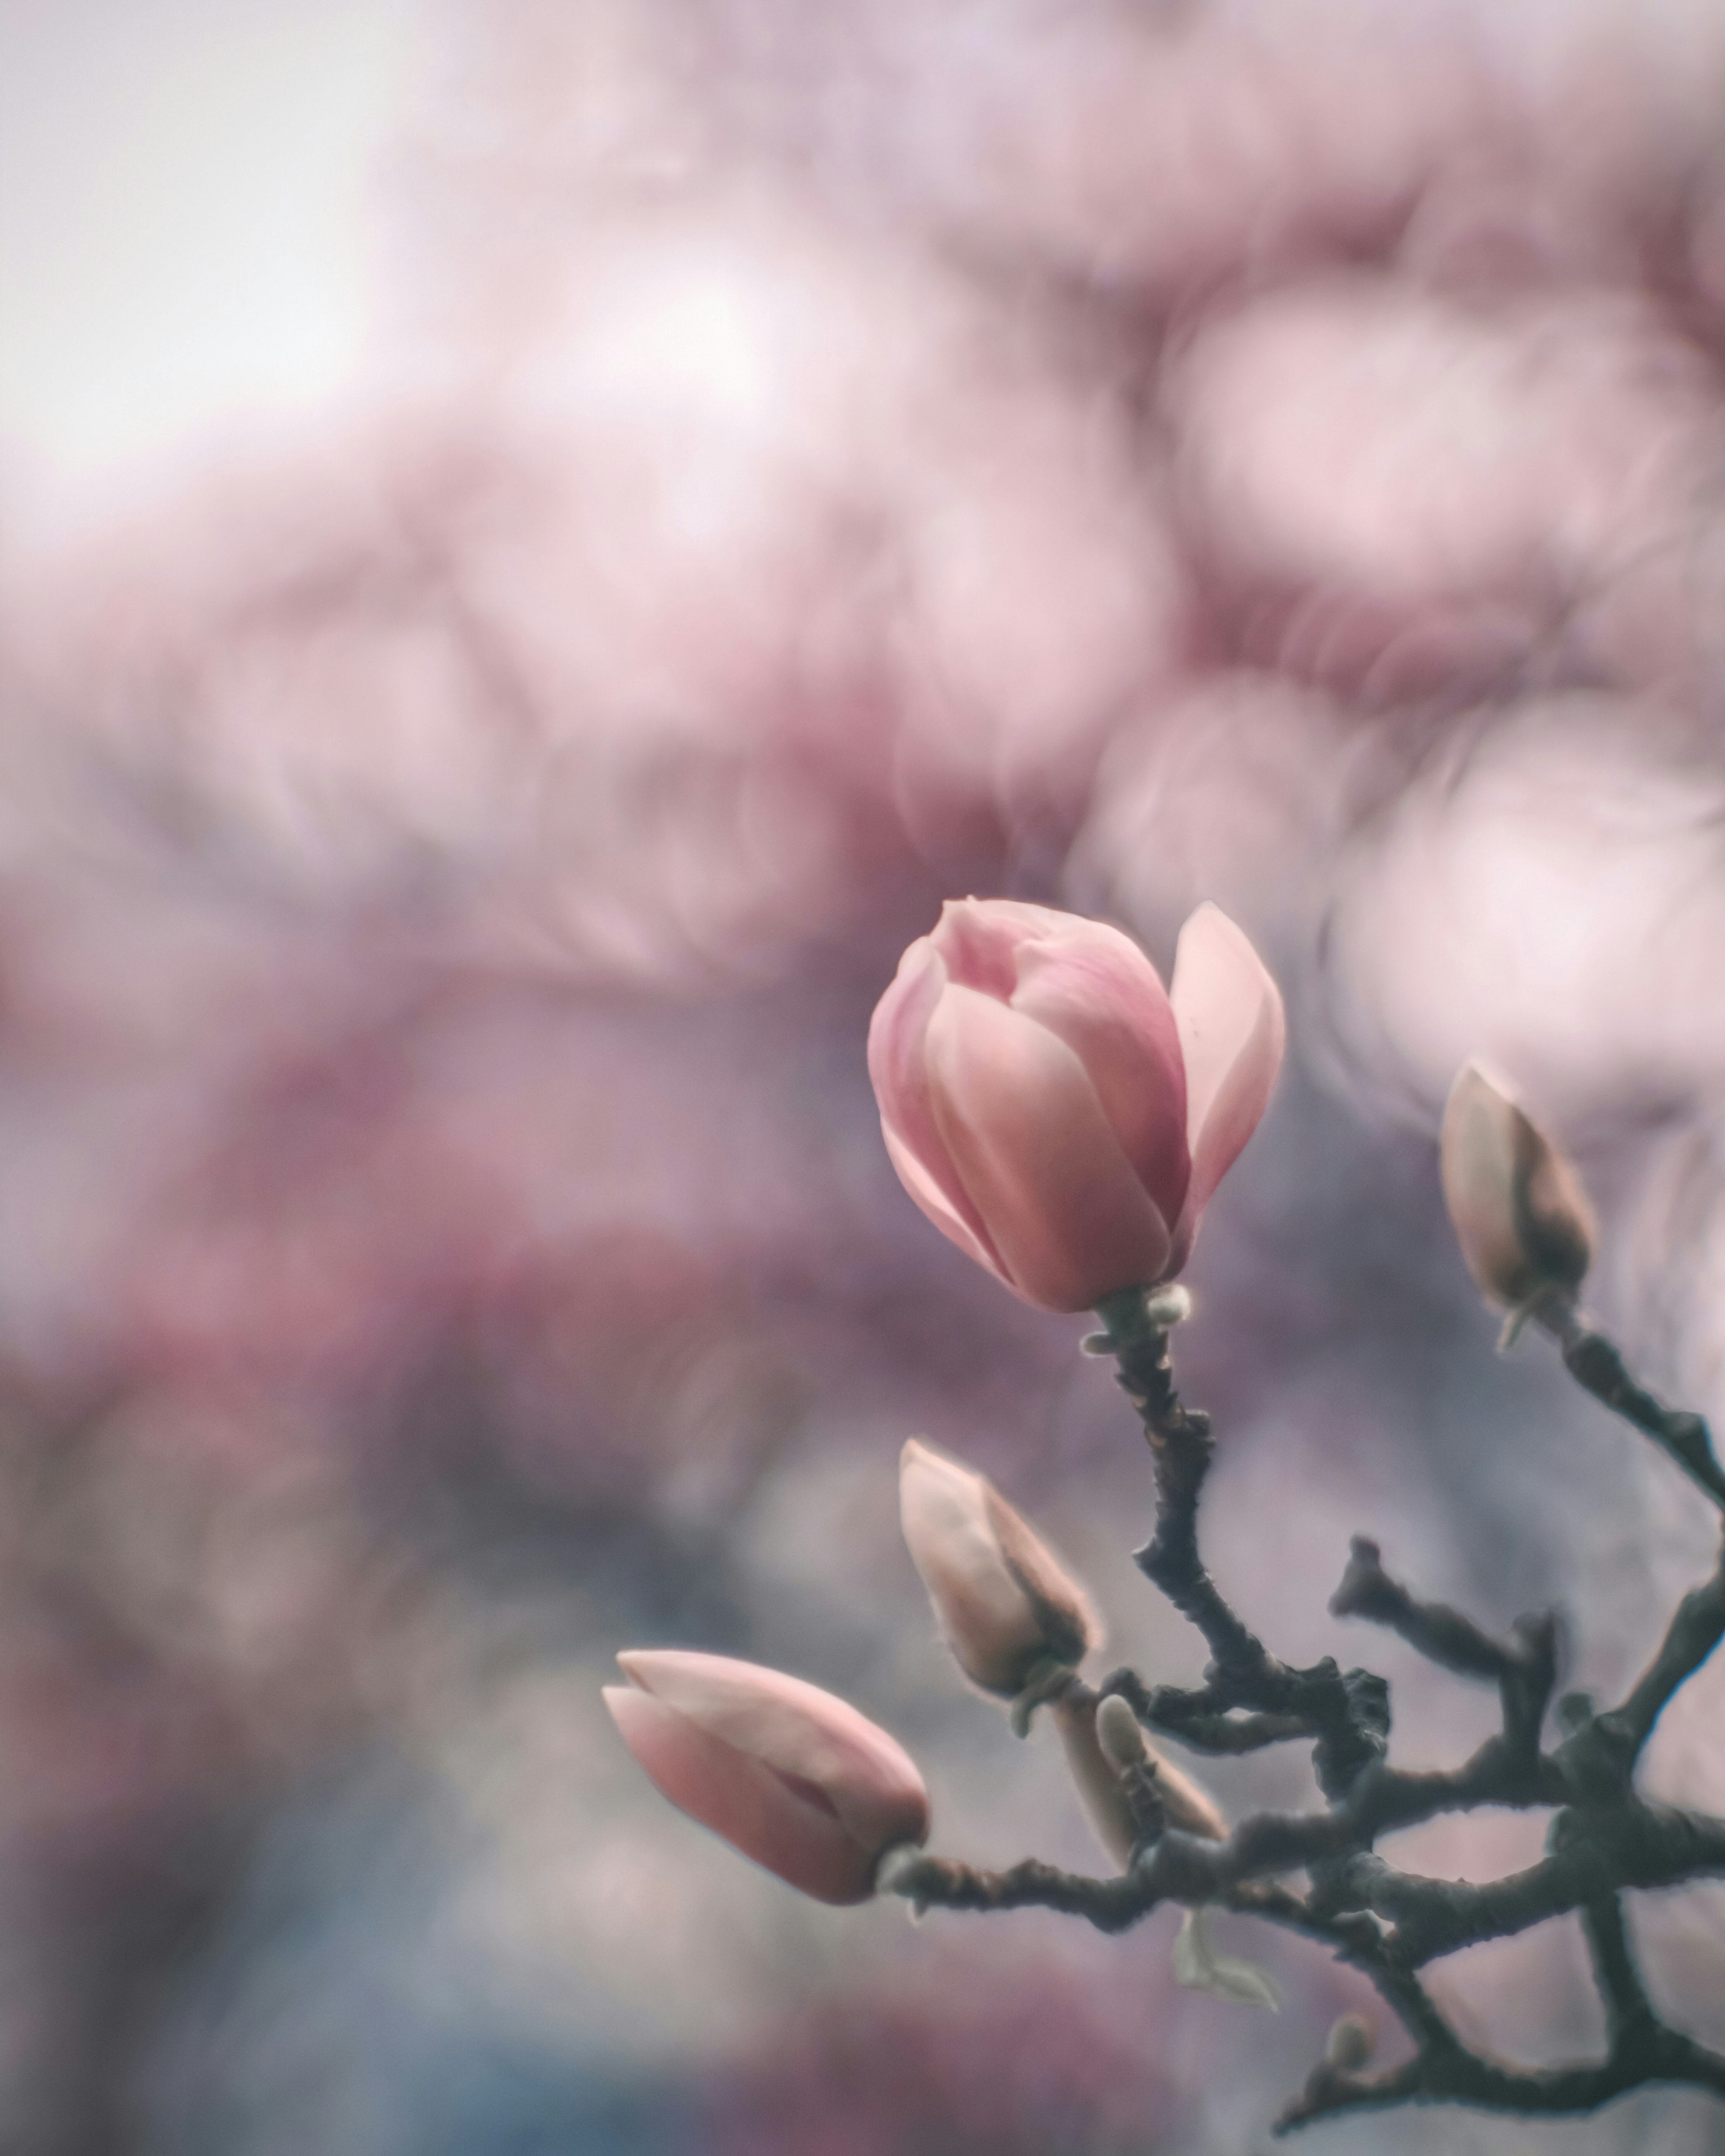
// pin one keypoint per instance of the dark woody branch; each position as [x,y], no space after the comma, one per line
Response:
[1647,1846]
[1508,1770]
[1630,2022]
[1347,1715]
[1603,1752]
[1596,1365]
[1190,1716]
[1604,1840]
[1453,2074]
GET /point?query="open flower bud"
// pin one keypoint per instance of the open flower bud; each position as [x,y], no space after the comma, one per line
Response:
[1519,1214]
[1052,1109]
[788,1774]
[1004,1602]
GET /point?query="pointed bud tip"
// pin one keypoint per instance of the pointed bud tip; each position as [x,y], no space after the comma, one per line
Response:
[1348,2046]
[1118,1734]
[1004,1602]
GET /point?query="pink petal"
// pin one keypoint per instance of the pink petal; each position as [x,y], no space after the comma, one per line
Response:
[1097,991]
[741,1800]
[1026,1132]
[934,1203]
[796,1729]
[978,940]
[897,1068]
[1232,1033]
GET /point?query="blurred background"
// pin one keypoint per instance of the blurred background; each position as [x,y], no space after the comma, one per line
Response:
[539,539]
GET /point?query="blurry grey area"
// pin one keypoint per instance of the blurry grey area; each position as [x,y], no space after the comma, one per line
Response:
[538,543]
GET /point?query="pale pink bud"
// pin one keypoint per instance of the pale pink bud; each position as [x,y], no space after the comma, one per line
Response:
[1519,1214]
[1189,1806]
[1052,1109]
[1103,1740]
[788,1774]
[1004,1601]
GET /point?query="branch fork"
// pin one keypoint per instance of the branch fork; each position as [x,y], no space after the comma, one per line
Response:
[1605,1838]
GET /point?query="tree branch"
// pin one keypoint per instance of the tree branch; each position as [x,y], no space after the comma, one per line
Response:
[1604,1840]
[1348,1715]
[1601,1755]
[1508,1769]
[1458,2075]
[1191,1717]
[1596,1365]
[1630,2022]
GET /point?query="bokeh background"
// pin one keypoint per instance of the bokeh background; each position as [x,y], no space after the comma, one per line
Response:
[539,539]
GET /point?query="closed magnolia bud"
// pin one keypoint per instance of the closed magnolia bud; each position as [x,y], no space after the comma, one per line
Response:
[1120,1735]
[1188,1805]
[1006,1606]
[1519,1214]
[1103,1740]
[1054,1110]
[787,1773]
[1095,1778]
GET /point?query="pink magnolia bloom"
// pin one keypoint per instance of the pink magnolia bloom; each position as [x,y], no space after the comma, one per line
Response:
[1052,1108]
[786,1773]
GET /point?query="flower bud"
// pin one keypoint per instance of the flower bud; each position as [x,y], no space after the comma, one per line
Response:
[1004,1601]
[786,1773]
[1052,1109]
[1189,1806]
[1095,1778]
[1103,1741]
[1348,2046]
[1519,1214]
[1120,1735]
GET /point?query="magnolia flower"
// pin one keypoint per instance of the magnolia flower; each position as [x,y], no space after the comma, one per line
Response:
[1052,1109]
[1004,1603]
[786,1773]
[1519,1214]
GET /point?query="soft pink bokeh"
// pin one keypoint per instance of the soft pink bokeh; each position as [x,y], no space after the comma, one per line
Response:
[541,543]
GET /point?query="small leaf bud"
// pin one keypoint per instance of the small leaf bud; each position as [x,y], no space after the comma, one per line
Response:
[1348,2046]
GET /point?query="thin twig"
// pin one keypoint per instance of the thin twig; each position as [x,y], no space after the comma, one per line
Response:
[1595,1364]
